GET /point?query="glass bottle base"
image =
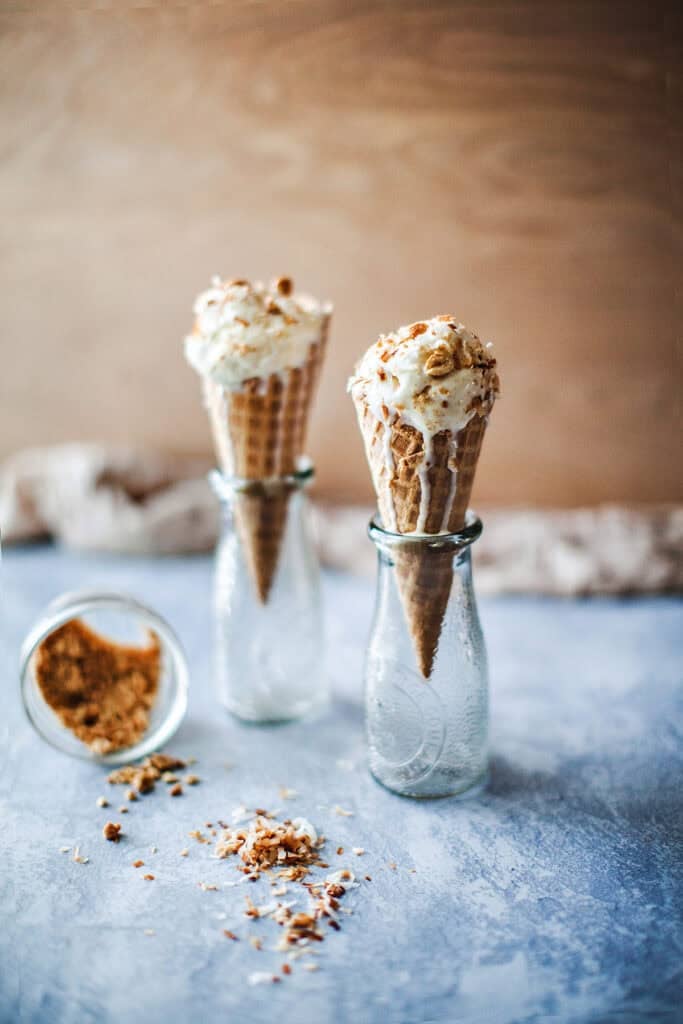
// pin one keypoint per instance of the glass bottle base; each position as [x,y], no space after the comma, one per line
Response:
[256,714]
[442,786]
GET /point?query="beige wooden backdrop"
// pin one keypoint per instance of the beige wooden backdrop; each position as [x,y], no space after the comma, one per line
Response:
[512,163]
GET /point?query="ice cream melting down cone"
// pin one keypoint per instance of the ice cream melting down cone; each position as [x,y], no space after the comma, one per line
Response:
[423,396]
[259,352]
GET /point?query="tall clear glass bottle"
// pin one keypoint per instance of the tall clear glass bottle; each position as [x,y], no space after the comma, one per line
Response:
[427,734]
[268,646]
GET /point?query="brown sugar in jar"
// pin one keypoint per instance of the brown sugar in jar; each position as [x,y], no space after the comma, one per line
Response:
[102,691]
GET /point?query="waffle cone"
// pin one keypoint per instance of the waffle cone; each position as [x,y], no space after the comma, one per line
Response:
[396,453]
[259,434]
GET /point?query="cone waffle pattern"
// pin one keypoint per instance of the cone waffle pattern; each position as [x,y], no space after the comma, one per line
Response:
[424,573]
[260,432]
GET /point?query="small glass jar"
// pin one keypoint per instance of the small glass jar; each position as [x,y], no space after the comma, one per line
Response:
[268,634]
[426,688]
[122,619]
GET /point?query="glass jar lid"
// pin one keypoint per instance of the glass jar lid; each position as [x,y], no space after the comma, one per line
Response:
[138,653]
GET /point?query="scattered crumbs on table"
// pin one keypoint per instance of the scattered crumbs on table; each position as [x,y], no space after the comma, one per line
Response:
[340,850]
[131,795]
[149,931]
[176,790]
[368,878]
[255,942]
[260,978]
[286,969]
[357,850]
[341,813]
[112,831]
[392,865]
[64,849]
[148,878]
[123,809]
[153,849]
[102,802]
[230,935]
[310,966]
[78,857]
[138,863]
[168,777]
[287,794]
[192,780]
[184,853]
[208,886]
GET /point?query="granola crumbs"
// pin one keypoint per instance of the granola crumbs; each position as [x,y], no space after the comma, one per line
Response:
[100,690]
[143,777]
[112,831]
[131,795]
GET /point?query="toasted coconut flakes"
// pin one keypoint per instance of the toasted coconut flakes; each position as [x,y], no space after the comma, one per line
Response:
[260,978]
[153,849]
[78,857]
[192,780]
[138,863]
[340,850]
[230,935]
[176,790]
[310,967]
[208,887]
[256,943]
[358,850]
[168,777]
[196,834]
[341,812]
[123,809]
[184,853]
[148,878]
[102,802]
[287,794]
[392,864]
[112,831]
[64,849]
[131,795]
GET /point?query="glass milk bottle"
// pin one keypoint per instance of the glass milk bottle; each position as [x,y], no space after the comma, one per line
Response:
[426,680]
[268,640]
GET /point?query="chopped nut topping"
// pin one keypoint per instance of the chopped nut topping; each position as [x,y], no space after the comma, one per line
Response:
[112,831]
[440,362]
[284,285]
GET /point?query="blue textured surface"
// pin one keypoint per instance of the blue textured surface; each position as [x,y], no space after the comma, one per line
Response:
[557,895]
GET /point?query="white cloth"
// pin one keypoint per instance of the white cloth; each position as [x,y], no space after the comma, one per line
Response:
[93,497]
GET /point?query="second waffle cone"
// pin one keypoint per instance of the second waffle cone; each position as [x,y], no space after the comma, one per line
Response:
[259,433]
[424,572]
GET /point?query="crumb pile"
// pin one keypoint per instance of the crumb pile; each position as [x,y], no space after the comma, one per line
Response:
[100,690]
[286,851]
[144,777]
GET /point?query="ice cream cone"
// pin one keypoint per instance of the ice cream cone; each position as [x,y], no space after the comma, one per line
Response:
[259,434]
[423,475]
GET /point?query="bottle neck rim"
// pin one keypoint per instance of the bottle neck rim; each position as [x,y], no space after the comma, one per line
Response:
[463,538]
[226,487]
